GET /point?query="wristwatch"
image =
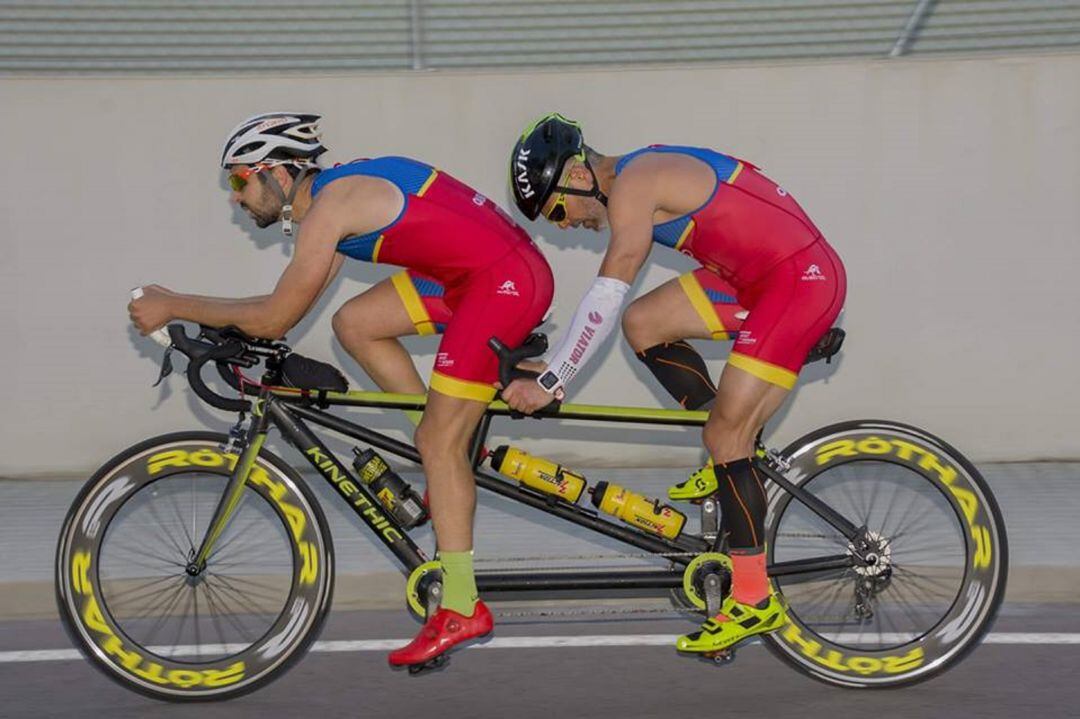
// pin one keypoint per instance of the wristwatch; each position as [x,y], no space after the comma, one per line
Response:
[549,382]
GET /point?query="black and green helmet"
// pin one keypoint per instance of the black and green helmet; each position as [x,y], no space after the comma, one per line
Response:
[538,157]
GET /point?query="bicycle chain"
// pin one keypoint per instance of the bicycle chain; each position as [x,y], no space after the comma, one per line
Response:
[571,557]
[600,612]
[542,613]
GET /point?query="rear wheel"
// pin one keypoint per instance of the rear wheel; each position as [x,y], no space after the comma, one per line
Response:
[142,613]
[932,556]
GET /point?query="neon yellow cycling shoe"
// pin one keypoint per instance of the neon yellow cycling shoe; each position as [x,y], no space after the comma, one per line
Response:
[700,485]
[743,621]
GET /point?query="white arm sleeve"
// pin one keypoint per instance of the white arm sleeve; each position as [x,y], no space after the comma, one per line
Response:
[595,318]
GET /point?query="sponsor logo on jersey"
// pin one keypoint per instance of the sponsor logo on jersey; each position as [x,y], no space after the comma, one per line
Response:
[813,272]
[746,338]
[508,288]
[443,359]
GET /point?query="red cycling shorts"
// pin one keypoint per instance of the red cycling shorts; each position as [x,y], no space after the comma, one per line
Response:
[777,320]
[507,300]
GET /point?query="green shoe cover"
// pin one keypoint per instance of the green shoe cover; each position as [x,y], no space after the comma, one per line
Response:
[701,484]
[743,621]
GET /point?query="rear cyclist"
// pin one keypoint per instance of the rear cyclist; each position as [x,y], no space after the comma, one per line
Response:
[472,274]
[768,278]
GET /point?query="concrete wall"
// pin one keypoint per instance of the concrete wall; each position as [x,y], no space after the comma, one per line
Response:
[949,187]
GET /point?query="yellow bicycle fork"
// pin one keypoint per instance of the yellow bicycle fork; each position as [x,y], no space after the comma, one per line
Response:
[234,492]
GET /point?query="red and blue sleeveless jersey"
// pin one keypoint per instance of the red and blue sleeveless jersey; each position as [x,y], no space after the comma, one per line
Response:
[445,229]
[747,226]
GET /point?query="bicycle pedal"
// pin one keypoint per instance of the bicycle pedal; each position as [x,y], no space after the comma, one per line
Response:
[431,665]
[720,658]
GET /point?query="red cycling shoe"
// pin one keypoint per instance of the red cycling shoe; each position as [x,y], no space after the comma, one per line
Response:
[444,630]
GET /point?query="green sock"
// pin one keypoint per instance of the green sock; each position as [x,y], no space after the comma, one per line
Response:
[459,584]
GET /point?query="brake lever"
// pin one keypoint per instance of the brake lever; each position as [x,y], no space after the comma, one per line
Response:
[533,346]
[166,366]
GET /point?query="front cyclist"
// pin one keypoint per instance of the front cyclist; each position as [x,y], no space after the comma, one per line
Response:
[471,270]
[767,273]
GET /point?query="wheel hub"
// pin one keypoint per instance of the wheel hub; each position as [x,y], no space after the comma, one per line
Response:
[874,554]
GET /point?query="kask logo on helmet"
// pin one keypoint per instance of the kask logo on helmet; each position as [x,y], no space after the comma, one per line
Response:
[522,178]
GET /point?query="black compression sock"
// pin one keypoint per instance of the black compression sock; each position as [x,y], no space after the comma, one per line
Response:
[681,371]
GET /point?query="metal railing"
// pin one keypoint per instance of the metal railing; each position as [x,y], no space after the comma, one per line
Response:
[72,36]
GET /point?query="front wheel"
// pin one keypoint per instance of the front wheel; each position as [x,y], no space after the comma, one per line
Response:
[931,553]
[139,609]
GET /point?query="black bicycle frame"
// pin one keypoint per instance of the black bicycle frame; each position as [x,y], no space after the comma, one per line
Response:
[288,415]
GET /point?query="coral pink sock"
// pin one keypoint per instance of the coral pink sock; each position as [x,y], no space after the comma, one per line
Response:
[749,580]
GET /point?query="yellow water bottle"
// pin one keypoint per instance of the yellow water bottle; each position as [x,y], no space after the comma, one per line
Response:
[538,473]
[638,510]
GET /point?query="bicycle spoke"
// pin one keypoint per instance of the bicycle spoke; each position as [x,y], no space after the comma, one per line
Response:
[244,593]
[830,593]
[143,552]
[255,550]
[140,553]
[194,512]
[157,626]
[262,566]
[125,594]
[183,619]
[214,616]
[182,523]
[241,533]
[246,580]
[845,589]
[149,610]
[901,593]
[922,520]
[871,500]
[243,599]
[161,524]
[198,641]
[925,583]
[857,511]
[108,572]
[231,617]
[923,542]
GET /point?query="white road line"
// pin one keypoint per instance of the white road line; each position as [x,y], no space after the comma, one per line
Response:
[599,640]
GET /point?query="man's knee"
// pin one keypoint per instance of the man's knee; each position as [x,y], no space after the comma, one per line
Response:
[728,436]
[340,324]
[635,326]
[435,442]
[426,440]
[350,328]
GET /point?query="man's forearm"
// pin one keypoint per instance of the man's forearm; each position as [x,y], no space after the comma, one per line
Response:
[250,314]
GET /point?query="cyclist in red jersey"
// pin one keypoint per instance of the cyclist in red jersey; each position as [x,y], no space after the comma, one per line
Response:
[768,278]
[472,274]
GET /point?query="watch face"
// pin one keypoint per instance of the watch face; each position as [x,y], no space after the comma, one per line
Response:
[548,380]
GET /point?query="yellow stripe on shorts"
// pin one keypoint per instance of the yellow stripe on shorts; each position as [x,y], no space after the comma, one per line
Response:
[418,314]
[703,305]
[773,374]
[463,389]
